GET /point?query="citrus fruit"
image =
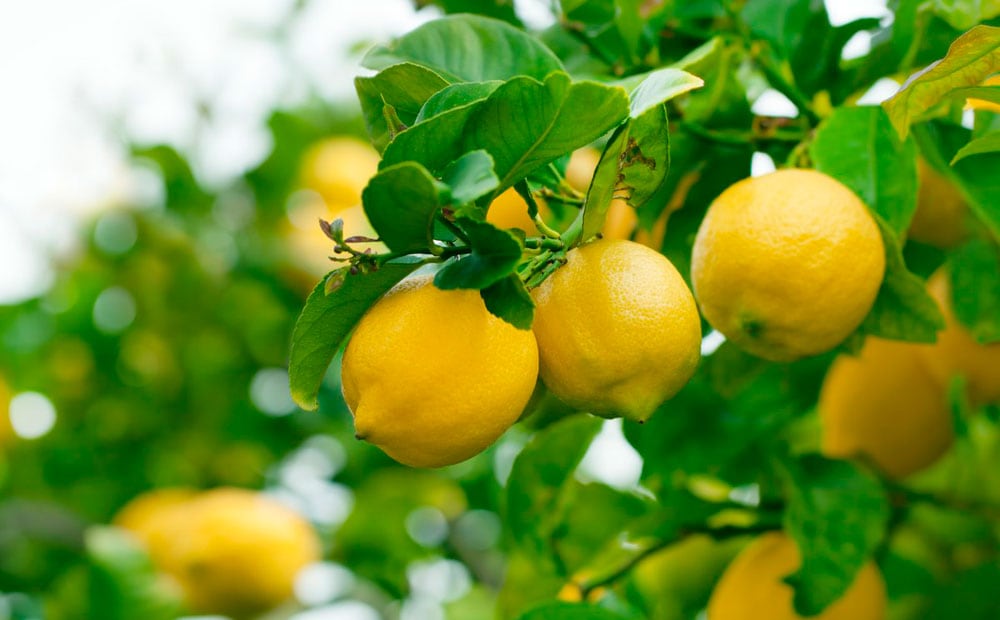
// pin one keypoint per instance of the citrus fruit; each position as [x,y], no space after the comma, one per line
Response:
[509,210]
[156,519]
[338,169]
[432,377]
[941,211]
[958,354]
[580,169]
[885,407]
[787,264]
[751,588]
[240,552]
[618,330]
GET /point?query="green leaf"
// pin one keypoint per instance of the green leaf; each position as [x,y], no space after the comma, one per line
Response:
[975,288]
[524,125]
[903,309]
[326,321]
[858,147]
[569,611]
[837,516]
[123,581]
[636,160]
[401,202]
[468,48]
[495,254]
[455,96]
[990,143]
[964,14]
[539,479]
[470,177]
[510,300]
[723,102]
[973,57]
[405,87]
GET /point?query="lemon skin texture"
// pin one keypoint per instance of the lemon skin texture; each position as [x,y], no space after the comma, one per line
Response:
[787,265]
[885,407]
[940,218]
[240,552]
[432,377]
[752,588]
[618,330]
[957,353]
[338,169]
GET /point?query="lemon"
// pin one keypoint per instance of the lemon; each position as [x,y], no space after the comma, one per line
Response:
[156,519]
[958,354]
[618,330]
[787,264]
[581,167]
[509,210]
[432,377]
[941,211]
[885,406]
[751,588]
[6,431]
[240,552]
[338,169]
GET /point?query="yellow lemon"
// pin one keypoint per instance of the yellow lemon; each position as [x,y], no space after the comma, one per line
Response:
[885,407]
[958,353]
[618,330]
[752,587]
[240,552]
[941,211]
[338,169]
[432,377]
[787,264]
[509,210]
[6,431]
[580,169]
[156,519]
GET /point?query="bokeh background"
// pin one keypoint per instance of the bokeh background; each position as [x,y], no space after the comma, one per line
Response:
[157,240]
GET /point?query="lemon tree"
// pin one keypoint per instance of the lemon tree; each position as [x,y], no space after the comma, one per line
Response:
[631,310]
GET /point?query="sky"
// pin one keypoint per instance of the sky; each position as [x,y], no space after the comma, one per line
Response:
[81,76]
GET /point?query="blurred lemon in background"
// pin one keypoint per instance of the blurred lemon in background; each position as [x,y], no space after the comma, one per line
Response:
[338,169]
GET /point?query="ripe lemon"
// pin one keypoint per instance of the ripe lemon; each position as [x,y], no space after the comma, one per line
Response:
[886,407]
[581,167]
[240,551]
[509,210]
[752,587]
[941,211]
[787,264]
[338,169]
[156,519]
[618,330]
[958,353]
[432,377]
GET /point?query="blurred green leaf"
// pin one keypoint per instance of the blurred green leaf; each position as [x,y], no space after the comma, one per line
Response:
[858,147]
[971,58]
[569,611]
[540,478]
[837,516]
[401,202]
[468,48]
[183,192]
[326,321]
[964,14]
[975,288]
[990,143]
[124,585]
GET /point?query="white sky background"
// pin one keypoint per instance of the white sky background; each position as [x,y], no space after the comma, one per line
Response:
[78,76]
